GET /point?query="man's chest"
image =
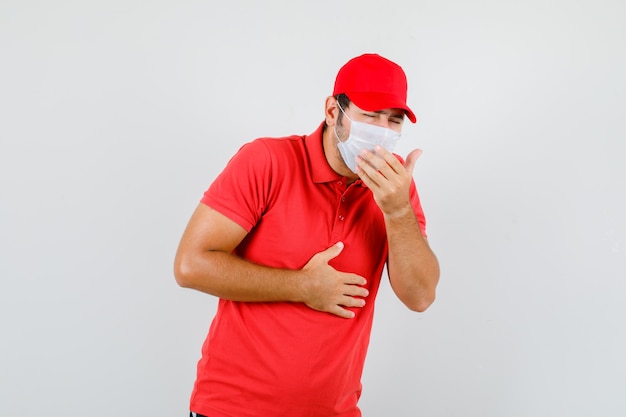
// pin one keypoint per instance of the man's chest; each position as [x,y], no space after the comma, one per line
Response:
[294,227]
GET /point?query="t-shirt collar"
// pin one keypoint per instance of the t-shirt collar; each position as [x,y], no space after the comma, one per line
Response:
[321,171]
[320,168]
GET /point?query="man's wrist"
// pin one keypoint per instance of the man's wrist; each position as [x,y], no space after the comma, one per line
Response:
[403,212]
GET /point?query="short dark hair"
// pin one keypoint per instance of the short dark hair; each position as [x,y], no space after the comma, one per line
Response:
[344,102]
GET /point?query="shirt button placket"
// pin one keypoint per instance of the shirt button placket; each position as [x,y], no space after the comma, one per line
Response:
[342,208]
[340,214]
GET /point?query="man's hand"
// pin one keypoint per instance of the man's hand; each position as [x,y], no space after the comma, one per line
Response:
[388,179]
[329,290]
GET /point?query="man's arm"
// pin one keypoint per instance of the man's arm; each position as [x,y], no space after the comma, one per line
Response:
[413,267]
[204,261]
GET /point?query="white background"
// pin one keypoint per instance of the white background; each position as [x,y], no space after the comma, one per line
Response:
[116,115]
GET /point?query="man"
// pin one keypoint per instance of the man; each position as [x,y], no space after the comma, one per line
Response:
[293,237]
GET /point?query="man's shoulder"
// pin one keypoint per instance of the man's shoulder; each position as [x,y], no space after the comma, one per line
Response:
[288,152]
[280,141]
[291,141]
[279,146]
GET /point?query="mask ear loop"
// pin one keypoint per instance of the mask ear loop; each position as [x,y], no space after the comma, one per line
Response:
[344,113]
[335,126]
[336,135]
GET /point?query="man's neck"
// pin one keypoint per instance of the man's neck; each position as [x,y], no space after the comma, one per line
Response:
[333,157]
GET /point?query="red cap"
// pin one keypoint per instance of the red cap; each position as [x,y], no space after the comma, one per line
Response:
[373,83]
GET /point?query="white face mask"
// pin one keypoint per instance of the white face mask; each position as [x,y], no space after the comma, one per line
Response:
[364,136]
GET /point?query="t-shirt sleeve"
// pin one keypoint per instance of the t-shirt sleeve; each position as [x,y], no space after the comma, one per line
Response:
[240,192]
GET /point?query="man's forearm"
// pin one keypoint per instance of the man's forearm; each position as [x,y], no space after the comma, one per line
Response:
[317,284]
[413,267]
[227,276]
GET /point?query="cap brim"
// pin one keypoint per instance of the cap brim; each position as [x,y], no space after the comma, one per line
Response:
[379,101]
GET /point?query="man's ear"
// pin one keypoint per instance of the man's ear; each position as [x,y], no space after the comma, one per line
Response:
[331,111]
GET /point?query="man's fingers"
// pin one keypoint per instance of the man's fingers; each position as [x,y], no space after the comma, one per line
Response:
[331,252]
[356,290]
[381,160]
[342,309]
[342,312]
[331,290]
[354,279]
[352,302]
[411,159]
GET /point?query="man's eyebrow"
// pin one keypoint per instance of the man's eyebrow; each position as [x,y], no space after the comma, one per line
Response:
[391,113]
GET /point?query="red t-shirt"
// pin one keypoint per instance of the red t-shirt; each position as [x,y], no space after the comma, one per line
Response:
[286,359]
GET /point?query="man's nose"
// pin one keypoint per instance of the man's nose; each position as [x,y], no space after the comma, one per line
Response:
[383,121]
